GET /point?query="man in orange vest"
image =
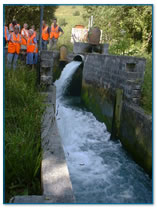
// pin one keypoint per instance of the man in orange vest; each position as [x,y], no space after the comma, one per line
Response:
[55,33]
[31,48]
[24,35]
[34,32]
[12,26]
[45,35]
[36,46]
[6,34]
[14,46]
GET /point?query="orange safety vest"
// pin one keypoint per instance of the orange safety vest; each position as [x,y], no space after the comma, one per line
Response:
[30,45]
[36,46]
[14,44]
[45,34]
[11,27]
[54,32]
[35,34]
[6,33]
[24,41]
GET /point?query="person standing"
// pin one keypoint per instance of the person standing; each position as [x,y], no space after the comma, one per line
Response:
[12,26]
[55,33]
[34,32]
[35,58]
[6,35]
[14,46]
[31,47]
[24,35]
[45,35]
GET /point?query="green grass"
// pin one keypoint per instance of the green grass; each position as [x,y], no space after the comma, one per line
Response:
[23,110]
[66,12]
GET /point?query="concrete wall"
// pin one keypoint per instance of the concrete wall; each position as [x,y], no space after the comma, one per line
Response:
[111,72]
[103,76]
[136,134]
[84,48]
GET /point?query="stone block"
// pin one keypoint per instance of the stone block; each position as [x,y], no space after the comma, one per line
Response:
[80,47]
[45,80]
[46,63]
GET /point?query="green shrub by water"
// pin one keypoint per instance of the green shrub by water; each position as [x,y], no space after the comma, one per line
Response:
[76,13]
[23,112]
[146,99]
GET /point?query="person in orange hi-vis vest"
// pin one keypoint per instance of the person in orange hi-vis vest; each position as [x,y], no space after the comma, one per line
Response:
[14,46]
[31,48]
[55,33]
[34,32]
[6,34]
[36,46]
[12,26]
[45,35]
[24,35]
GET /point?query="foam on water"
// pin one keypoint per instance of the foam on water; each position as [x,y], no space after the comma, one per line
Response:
[100,169]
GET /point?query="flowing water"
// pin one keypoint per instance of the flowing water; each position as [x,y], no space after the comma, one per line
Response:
[101,171]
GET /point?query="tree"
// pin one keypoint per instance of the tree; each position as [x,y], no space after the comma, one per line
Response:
[28,14]
[128,29]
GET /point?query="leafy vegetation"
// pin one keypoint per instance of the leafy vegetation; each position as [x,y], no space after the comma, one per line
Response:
[28,14]
[23,110]
[127,29]
[76,13]
[146,100]
[62,22]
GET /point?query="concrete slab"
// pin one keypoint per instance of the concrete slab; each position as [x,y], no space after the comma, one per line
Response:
[34,199]
[54,171]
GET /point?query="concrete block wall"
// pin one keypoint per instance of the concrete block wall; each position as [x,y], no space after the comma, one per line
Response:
[84,48]
[111,72]
[136,134]
[47,61]
[103,76]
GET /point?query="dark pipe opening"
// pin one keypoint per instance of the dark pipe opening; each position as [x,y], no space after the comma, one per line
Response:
[79,58]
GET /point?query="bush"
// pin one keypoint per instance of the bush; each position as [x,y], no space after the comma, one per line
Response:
[62,22]
[76,13]
[146,100]
[23,111]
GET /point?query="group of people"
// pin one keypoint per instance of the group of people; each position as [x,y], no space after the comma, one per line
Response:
[25,38]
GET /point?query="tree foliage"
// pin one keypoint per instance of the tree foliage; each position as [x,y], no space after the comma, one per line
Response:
[28,14]
[128,29]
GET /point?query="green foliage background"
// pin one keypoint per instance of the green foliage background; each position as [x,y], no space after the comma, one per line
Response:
[28,14]
[128,29]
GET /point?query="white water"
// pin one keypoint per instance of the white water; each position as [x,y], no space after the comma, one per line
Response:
[100,170]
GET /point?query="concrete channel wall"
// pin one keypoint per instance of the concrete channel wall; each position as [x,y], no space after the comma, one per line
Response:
[106,79]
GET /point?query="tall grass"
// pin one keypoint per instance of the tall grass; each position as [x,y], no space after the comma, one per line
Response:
[23,111]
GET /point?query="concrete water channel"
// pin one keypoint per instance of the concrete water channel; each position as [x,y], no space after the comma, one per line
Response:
[97,144]
[101,171]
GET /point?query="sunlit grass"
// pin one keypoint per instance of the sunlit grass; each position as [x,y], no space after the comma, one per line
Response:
[23,110]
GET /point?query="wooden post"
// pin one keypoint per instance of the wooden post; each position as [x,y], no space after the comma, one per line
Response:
[117,114]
